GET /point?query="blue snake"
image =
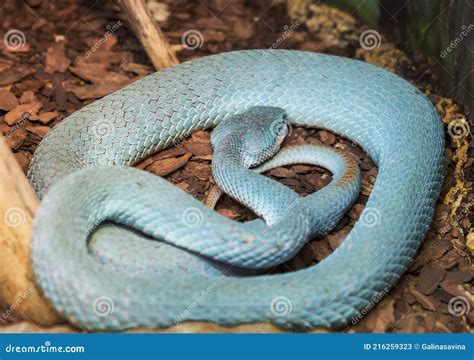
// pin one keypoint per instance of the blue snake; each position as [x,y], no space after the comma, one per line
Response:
[116,248]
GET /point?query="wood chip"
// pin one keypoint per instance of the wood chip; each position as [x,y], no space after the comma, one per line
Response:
[199,170]
[460,276]
[34,84]
[167,166]
[429,279]
[94,73]
[229,213]
[56,59]
[28,97]
[47,117]
[199,144]
[425,301]
[23,111]
[327,137]
[206,157]
[291,182]
[448,260]
[14,137]
[314,181]
[452,287]
[172,152]
[301,169]
[40,131]
[432,249]
[14,74]
[8,101]
[355,212]
[281,172]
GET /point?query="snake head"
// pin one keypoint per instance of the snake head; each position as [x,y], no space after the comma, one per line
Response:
[256,134]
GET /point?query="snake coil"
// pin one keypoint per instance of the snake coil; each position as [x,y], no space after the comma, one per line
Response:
[393,121]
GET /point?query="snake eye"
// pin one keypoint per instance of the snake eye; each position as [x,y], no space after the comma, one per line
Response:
[280,128]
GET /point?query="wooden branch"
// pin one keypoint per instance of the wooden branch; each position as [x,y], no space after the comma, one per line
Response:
[149,33]
[18,203]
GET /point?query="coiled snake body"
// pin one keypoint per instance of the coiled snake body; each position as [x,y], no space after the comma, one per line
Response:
[137,282]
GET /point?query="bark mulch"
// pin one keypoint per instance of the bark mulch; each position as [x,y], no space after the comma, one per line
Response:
[62,55]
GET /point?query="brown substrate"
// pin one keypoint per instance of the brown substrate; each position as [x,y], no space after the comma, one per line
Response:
[60,68]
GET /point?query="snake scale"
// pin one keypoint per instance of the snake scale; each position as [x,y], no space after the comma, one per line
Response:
[153,283]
